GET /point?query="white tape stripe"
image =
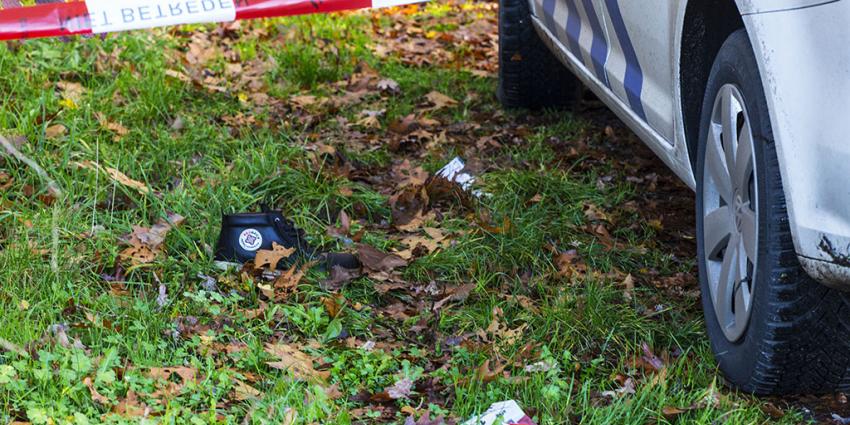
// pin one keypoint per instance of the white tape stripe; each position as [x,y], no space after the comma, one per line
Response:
[123,15]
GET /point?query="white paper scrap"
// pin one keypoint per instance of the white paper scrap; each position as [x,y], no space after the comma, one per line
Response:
[503,412]
[453,172]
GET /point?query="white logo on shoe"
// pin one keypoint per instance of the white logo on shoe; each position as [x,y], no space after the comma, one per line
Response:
[250,240]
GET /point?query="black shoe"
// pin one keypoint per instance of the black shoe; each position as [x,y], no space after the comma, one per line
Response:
[242,235]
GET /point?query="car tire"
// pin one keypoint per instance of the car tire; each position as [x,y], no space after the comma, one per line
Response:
[796,338]
[530,76]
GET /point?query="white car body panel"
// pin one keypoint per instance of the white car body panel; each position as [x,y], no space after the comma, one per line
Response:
[747,7]
[806,83]
[650,24]
[807,79]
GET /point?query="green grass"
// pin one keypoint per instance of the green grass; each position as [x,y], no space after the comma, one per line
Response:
[209,167]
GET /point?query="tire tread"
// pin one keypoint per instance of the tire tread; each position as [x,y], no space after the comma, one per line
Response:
[530,76]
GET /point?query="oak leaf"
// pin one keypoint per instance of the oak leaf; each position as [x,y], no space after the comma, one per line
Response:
[297,362]
[271,257]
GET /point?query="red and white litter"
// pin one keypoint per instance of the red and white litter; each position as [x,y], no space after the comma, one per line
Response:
[105,16]
[502,413]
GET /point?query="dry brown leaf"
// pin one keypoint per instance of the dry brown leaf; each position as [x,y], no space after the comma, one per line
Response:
[70,90]
[117,176]
[290,416]
[594,213]
[344,228]
[6,181]
[95,396]
[55,131]
[496,230]
[119,130]
[629,287]
[486,374]
[295,361]
[243,391]
[131,406]
[303,101]
[499,332]
[370,119]
[379,261]
[569,263]
[457,293]
[439,101]
[333,304]
[408,208]
[271,257]
[286,284]
[126,181]
[172,386]
[146,243]
[178,75]
[339,276]
[388,86]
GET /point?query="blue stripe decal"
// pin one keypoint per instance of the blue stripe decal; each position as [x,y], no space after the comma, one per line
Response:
[599,48]
[573,29]
[633,80]
[549,14]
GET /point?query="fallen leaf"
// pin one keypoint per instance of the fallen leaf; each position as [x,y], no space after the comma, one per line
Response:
[439,101]
[178,75]
[303,101]
[408,208]
[650,358]
[117,176]
[569,263]
[271,257]
[243,391]
[458,293]
[389,86]
[286,284]
[344,228]
[370,119]
[119,130]
[772,410]
[401,389]
[339,276]
[333,304]
[627,387]
[594,213]
[145,244]
[290,416]
[58,333]
[71,91]
[629,284]
[376,260]
[295,361]
[486,374]
[95,396]
[671,413]
[496,230]
[55,131]
[131,406]
[167,384]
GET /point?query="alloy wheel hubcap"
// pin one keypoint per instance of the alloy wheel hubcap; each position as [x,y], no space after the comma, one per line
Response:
[730,226]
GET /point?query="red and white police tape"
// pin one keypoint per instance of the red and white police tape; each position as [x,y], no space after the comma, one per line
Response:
[102,16]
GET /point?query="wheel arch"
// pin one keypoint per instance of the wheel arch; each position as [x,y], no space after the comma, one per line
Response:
[704,27]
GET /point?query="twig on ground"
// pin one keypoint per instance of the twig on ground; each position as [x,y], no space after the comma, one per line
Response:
[52,187]
[13,151]
[10,346]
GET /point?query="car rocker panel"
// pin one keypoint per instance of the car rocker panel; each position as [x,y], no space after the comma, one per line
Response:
[808,116]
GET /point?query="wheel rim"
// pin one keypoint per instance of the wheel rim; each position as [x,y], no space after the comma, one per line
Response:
[730,219]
